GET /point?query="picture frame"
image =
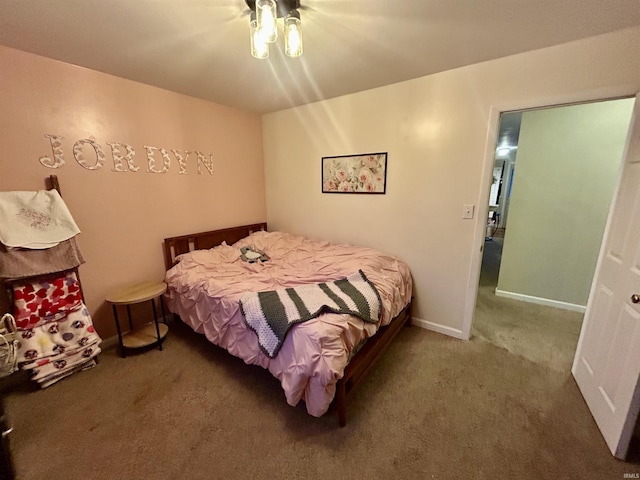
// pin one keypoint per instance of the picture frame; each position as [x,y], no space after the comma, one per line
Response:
[363,173]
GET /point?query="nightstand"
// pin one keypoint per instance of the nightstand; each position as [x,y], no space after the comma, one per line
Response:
[151,334]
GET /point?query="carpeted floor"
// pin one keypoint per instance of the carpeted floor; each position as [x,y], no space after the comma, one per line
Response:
[542,334]
[433,408]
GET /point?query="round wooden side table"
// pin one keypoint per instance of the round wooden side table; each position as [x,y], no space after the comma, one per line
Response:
[151,334]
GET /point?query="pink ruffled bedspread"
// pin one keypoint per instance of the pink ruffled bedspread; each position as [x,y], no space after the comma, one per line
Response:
[205,287]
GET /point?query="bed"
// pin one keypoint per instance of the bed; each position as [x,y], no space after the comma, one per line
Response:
[321,359]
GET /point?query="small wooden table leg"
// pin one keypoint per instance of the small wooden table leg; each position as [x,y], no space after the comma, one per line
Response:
[115,315]
[129,316]
[155,320]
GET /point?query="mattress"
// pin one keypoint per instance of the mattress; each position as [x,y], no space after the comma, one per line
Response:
[205,287]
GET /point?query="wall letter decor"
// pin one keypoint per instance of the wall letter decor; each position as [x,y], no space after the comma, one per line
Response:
[118,158]
[166,161]
[207,162]
[58,155]
[182,162]
[79,156]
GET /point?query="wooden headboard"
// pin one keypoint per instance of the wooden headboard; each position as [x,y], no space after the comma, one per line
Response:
[174,246]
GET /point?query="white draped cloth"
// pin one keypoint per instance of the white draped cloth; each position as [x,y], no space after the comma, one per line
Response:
[35,220]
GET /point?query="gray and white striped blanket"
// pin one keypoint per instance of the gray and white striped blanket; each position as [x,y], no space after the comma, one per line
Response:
[270,314]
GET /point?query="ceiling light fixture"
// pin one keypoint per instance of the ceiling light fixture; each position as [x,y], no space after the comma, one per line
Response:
[263,26]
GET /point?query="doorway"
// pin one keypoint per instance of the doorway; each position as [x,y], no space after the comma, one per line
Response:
[554,175]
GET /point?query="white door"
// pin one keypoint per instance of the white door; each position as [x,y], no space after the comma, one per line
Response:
[607,362]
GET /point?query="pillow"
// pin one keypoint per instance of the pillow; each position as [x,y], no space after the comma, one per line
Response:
[221,254]
[45,300]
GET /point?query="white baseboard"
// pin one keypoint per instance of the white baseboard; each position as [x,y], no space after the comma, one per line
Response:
[541,301]
[436,327]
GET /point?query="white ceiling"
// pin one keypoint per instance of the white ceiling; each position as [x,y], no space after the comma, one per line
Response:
[201,48]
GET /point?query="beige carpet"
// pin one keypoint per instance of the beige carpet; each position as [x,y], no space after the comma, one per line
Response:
[434,408]
[542,334]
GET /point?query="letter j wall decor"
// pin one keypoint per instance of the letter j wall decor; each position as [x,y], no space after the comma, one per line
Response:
[364,173]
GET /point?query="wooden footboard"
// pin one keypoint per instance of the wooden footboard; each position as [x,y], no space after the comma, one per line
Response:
[364,360]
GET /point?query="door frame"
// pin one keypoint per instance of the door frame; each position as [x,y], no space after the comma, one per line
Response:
[480,227]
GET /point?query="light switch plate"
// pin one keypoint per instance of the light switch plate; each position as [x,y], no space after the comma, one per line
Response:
[467,211]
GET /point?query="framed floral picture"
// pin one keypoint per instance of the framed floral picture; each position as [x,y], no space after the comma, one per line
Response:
[364,173]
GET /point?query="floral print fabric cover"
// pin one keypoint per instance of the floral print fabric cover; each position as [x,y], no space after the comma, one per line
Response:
[54,342]
[43,301]
[205,287]
[53,350]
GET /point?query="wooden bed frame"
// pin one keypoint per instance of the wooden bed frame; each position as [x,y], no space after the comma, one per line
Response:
[361,362]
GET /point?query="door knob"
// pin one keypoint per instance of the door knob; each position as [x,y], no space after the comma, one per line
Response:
[635,298]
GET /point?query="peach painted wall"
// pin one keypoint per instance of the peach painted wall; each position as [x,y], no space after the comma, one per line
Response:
[124,216]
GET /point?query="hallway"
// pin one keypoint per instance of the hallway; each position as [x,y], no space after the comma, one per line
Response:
[542,334]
